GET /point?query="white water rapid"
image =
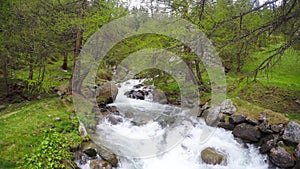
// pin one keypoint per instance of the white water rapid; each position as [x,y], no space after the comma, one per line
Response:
[182,153]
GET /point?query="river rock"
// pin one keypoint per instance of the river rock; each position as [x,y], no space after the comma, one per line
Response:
[90,152]
[211,116]
[159,96]
[264,128]
[227,107]
[114,120]
[226,125]
[237,119]
[138,86]
[106,93]
[100,164]
[140,95]
[212,156]
[267,146]
[103,153]
[247,132]
[112,109]
[108,156]
[277,128]
[281,158]
[80,157]
[292,133]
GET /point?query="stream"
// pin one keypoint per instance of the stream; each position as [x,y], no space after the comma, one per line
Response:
[150,135]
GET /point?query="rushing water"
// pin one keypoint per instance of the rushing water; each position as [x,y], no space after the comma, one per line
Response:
[185,153]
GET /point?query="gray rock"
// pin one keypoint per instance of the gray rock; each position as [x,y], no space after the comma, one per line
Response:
[80,157]
[100,164]
[114,120]
[265,128]
[159,96]
[292,133]
[277,128]
[227,107]
[112,109]
[252,121]
[103,153]
[266,138]
[106,93]
[108,156]
[267,146]
[237,119]
[281,158]
[247,132]
[226,126]
[211,116]
[212,156]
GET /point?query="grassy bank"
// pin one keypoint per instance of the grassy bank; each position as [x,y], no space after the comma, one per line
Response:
[24,127]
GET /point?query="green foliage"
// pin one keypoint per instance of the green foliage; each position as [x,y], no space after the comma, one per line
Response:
[35,122]
[53,152]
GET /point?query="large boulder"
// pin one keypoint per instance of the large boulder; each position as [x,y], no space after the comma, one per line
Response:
[211,116]
[212,156]
[247,132]
[292,133]
[227,107]
[281,158]
[106,93]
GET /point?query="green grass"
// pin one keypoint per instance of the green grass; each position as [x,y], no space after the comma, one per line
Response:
[277,90]
[285,73]
[23,126]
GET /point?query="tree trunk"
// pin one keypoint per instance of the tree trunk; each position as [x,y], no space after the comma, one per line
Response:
[5,74]
[198,73]
[78,44]
[65,63]
[30,72]
[43,73]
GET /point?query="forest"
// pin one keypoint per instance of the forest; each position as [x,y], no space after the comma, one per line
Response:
[42,43]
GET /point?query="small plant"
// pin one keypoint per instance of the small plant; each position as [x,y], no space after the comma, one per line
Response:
[53,152]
